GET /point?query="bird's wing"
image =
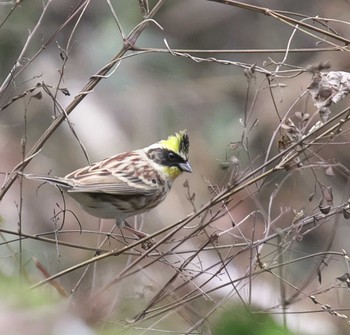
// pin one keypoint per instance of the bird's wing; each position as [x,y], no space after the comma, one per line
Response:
[56,181]
[118,175]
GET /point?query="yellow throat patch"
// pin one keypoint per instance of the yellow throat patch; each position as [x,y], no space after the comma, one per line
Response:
[172,171]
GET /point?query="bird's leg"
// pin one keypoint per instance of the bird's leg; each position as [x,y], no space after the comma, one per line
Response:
[120,224]
[139,234]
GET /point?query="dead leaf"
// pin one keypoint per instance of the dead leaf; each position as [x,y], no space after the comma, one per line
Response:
[327,88]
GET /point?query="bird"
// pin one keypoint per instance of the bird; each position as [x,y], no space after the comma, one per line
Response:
[126,184]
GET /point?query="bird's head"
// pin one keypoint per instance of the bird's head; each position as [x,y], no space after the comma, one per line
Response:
[172,154]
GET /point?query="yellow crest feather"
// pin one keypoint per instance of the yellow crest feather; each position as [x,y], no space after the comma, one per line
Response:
[176,142]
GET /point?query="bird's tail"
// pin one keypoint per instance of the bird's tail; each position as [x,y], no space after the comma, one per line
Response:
[56,181]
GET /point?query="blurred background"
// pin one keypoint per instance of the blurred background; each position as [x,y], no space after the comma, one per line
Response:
[231,103]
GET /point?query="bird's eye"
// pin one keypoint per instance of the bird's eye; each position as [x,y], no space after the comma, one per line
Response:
[171,156]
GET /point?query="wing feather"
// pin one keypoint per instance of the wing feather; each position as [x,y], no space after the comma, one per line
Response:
[127,173]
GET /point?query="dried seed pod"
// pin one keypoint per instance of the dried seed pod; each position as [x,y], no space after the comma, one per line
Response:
[345,278]
[346,211]
[325,209]
[326,202]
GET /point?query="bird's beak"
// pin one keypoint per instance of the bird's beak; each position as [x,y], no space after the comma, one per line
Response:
[185,167]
